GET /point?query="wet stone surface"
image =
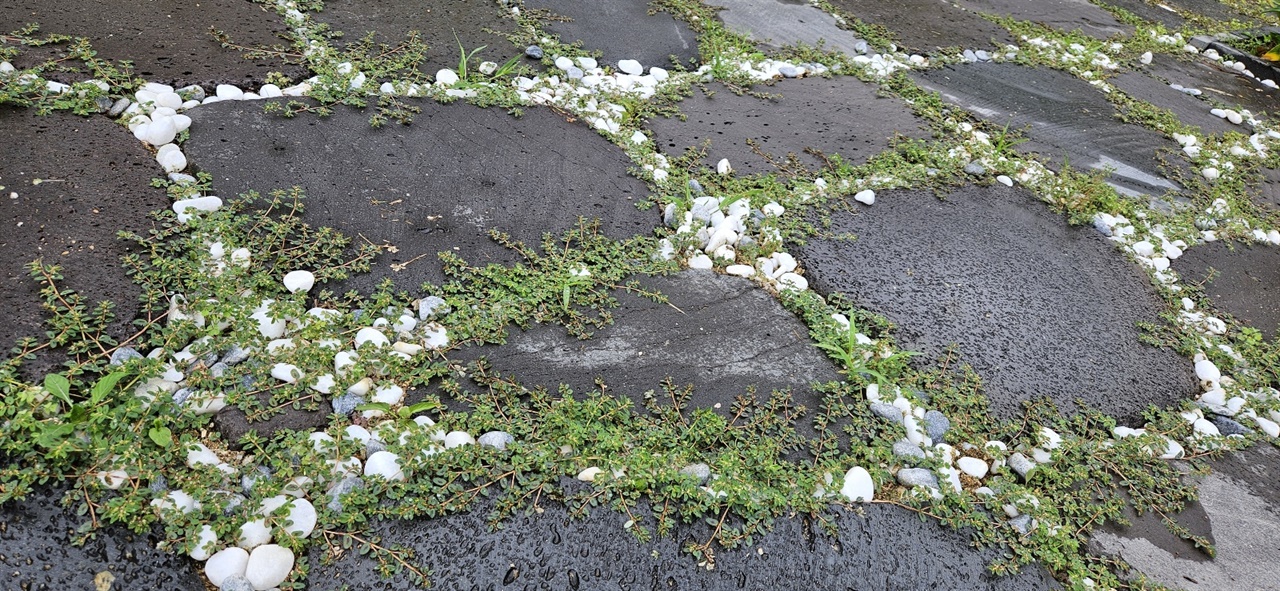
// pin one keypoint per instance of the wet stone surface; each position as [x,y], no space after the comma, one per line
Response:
[926,26]
[704,340]
[1242,507]
[1064,15]
[839,116]
[622,29]
[1063,117]
[1039,309]
[1215,82]
[776,23]
[439,184]
[72,217]
[1189,109]
[475,22]
[1242,280]
[167,40]
[36,552]
[888,549]
[1150,12]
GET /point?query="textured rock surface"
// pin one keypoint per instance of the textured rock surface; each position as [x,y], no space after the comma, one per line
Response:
[622,29]
[1241,279]
[775,23]
[928,25]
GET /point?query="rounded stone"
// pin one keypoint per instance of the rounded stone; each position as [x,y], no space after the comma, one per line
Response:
[268,566]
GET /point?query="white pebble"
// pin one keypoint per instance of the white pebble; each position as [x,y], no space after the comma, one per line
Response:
[299,281]
[230,562]
[268,566]
[858,486]
[205,541]
[866,197]
[384,464]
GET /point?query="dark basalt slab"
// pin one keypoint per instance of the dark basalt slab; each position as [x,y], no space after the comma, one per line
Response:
[838,116]
[475,23]
[1064,118]
[36,552]
[622,29]
[1216,82]
[167,40]
[886,548]
[94,181]
[1241,508]
[721,334]
[1189,109]
[1242,280]
[777,23]
[1065,15]
[439,184]
[1038,308]
[925,26]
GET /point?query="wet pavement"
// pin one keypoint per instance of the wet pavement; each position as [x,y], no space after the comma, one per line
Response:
[1037,308]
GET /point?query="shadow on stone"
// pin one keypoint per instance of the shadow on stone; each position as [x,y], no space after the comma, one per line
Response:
[1039,309]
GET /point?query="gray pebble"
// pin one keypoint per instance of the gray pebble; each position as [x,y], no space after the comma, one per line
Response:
[195,92]
[247,382]
[496,439]
[1023,523]
[936,425]
[573,73]
[789,72]
[970,56]
[1021,465]
[695,186]
[917,477]
[118,107]
[908,451]
[236,583]
[104,103]
[1230,427]
[373,446]
[534,52]
[346,404]
[887,412]
[700,471]
[975,169]
[344,486]
[159,484]
[746,241]
[235,355]
[860,46]
[982,55]
[1206,224]
[1102,227]
[180,397]
[669,215]
[123,354]
[218,369]
[249,480]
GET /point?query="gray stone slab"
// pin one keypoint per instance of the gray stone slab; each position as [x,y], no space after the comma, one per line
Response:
[837,116]
[1064,118]
[72,218]
[475,23]
[167,40]
[1038,308]
[1065,15]
[1150,11]
[439,184]
[888,548]
[1216,82]
[622,29]
[926,26]
[1242,280]
[1243,508]
[726,336]
[1189,109]
[776,23]
[36,552]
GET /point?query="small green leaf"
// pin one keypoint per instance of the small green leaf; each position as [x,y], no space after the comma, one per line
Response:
[59,386]
[104,387]
[161,436]
[382,406]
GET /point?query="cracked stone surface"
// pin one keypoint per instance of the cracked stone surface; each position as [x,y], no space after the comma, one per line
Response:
[476,24]
[926,26]
[1064,118]
[840,116]
[1038,308]
[622,29]
[437,185]
[70,220]
[700,339]
[775,23]
[167,40]
[1241,279]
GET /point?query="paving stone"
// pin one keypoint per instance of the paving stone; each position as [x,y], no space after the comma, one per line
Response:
[1216,82]
[167,40]
[71,219]
[776,23]
[36,536]
[1065,15]
[1038,308]
[1152,12]
[437,185]
[1063,118]
[1267,192]
[1212,9]
[888,548]
[837,116]
[1242,507]
[728,335]
[475,22]
[928,25]
[1189,109]
[1241,279]
[622,29]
